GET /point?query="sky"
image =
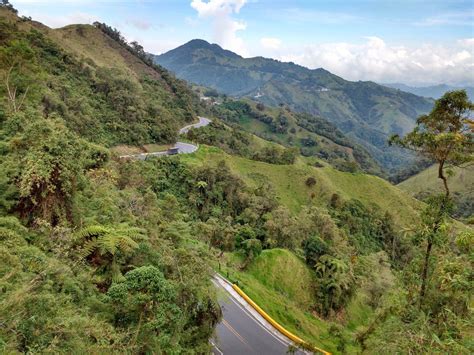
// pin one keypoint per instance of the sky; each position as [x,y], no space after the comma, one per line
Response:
[416,42]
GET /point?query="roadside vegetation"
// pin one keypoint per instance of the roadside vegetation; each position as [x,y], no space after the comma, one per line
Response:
[100,254]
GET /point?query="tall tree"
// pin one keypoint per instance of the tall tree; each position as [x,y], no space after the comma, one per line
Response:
[445,135]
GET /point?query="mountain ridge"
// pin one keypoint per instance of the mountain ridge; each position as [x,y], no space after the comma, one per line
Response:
[431,91]
[364,110]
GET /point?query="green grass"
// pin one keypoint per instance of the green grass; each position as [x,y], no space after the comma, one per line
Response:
[280,283]
[427,181]
[288,182]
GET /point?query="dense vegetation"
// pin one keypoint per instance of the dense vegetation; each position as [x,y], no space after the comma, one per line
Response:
[236,141]
[91,260]
[311,135]
[100,255]
[365,111]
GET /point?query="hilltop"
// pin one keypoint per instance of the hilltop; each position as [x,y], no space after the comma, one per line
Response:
[365,111]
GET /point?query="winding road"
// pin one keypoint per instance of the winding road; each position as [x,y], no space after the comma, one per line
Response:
[178,148]
[242,329]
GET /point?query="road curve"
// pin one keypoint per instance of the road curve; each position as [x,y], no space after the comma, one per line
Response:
[203,121]
[178,148]
[242,330]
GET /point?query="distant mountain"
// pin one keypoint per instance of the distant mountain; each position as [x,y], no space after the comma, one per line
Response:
[364,111]
[434,91]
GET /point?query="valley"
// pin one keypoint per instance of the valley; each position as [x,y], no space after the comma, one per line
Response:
[135,203]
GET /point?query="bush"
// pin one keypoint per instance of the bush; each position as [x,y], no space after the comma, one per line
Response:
[310,182]
[314,248]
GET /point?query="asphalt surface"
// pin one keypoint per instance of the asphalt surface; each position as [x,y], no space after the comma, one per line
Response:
[203,121]
[182,148]
[240,332]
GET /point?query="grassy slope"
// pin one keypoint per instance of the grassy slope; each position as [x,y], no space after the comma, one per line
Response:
[289,184]
[284,299]
[260,128]
[426,181]
[288,299]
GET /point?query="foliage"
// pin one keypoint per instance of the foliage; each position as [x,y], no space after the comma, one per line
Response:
[445,134]
[314,248]
[105,246]
[146,300]
[369,229]
[335,284]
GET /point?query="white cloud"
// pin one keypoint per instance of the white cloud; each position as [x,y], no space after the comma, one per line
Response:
[270,43]
[225,27]
[378,61]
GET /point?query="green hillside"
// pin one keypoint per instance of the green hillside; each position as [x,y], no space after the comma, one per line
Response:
[313,136]
[288,182]
[461,184]
[366,111]
[102,89]
[106,255]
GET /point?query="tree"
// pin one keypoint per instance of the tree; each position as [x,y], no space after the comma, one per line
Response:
[18,59]
[104,245]
[6,4]
[314,248]
[445,135]
[251,248]
[46,165]
[147,300]
[335,284]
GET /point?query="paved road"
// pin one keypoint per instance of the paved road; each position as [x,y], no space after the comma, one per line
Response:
[242,330]
[178,148]
[203,121]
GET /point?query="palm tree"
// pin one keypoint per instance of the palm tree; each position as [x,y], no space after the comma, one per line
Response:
[102,246]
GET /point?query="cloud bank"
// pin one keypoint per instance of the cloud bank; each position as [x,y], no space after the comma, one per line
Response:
[378,61]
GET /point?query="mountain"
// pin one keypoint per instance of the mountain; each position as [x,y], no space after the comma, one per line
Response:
[434,91]
[365,111]
[106,255]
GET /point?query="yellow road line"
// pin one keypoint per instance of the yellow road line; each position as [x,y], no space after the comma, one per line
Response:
[228,326]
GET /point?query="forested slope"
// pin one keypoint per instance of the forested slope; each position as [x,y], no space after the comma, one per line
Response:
[365,111]
[104,255]
[91,262]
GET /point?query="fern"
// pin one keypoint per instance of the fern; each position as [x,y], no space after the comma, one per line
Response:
[107,242]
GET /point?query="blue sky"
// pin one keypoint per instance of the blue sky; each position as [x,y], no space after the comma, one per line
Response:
[411,41]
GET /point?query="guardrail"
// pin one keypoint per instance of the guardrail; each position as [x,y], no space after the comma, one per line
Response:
[276,325]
